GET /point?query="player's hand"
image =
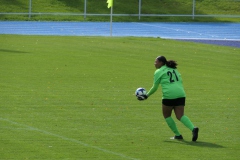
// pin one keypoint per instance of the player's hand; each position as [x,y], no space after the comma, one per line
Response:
[142,97]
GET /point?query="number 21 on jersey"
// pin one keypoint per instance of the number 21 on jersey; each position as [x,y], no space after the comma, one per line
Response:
[172,76]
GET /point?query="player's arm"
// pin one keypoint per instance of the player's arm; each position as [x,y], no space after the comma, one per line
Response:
[153,89]
[156,83]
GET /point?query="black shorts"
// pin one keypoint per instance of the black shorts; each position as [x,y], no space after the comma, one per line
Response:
[174,102]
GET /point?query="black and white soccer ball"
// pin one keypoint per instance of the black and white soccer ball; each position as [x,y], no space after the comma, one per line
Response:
[140,92]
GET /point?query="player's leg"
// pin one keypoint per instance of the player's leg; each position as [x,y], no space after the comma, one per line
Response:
[167,111]
[179,112]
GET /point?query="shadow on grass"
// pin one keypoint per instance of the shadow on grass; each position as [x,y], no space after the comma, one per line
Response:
[73,3]
[11,51]
[13,2]
[197,143]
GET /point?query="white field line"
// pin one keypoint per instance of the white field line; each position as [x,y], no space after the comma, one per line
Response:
[176,29]
[68,139]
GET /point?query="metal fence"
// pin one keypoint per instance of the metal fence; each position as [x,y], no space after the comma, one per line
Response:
[140,9]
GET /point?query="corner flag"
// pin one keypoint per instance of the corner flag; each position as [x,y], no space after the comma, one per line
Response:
[110,3]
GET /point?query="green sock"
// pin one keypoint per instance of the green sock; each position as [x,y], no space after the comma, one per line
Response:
[187,122]
[172,125]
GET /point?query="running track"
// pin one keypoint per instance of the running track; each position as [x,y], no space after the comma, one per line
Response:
[214,33]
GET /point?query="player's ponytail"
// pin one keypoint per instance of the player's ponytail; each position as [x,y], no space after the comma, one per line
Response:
[170,63]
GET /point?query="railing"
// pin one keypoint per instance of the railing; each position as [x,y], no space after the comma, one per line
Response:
[192,12]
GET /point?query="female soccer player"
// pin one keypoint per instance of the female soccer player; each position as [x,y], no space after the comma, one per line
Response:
[173,95]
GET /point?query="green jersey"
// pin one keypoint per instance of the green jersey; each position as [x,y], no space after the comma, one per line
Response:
[171,82]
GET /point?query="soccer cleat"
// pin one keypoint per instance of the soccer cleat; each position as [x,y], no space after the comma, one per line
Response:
[195,133]
[177,137]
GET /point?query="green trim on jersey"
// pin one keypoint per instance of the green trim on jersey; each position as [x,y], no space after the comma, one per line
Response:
[171,82]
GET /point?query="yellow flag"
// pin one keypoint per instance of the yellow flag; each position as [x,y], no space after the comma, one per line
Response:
[110,3]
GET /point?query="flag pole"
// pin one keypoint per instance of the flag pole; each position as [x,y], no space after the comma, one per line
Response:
[111,21]
[110,5]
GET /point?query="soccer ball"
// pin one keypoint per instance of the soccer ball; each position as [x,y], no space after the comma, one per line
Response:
[140,92]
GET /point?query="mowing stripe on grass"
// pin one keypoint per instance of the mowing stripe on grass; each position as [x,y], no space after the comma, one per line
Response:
[67,139]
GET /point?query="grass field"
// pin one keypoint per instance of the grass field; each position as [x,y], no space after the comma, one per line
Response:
[73,98]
